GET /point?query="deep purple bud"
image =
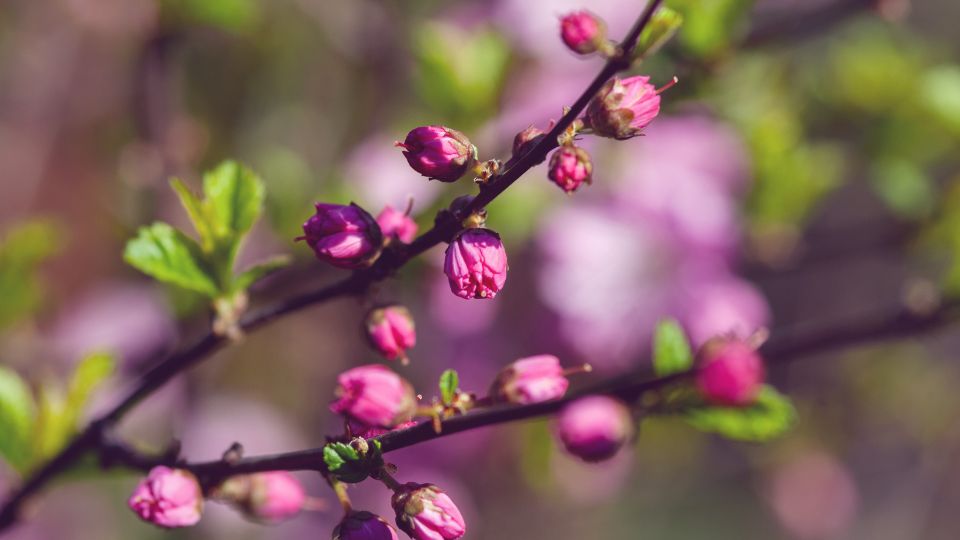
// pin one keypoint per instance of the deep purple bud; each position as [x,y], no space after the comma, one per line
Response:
[476,264]
[594,428]
[364,526]
[570,166]
[344,236]
[426,513]
[438,152]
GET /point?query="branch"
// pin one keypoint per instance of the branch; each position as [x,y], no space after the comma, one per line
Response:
[356,284]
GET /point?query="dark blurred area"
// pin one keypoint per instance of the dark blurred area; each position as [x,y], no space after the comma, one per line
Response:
[804,174]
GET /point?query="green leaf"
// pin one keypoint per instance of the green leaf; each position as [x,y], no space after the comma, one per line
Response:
[17,414]
[234,199]
[337,454]
[258,271]
[87,377]
[22,250]
[346,464]
[662,27]
[671,350]
[54,422]
[197,212]
[170,256]
[449,385]
[771,416]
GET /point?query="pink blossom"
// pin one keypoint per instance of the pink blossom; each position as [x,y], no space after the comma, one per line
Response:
[391,331]
[438,152]
[344,236]
[268,497]
[364,526]
[623,107]
[731,372]
[375,396]
[426,513]
[168,498]
[594,428]
[530,380]
[476,264]
[581,32]
[570,166]
[396,224]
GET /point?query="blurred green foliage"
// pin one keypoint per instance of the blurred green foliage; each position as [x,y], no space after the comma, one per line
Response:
[22,250]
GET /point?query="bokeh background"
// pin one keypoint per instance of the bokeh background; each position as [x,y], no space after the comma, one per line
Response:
[806,171]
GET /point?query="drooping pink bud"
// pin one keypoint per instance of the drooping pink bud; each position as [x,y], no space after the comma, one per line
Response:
[570,166]
[438,152]
[623,107]
[594,428]
[731,372]
[582,32]
[530,380]
[344,236]
[364,526]
[426,513]
[375,396]
[267,497]
[168,498]
[397,225]
[391,331]
[476,264]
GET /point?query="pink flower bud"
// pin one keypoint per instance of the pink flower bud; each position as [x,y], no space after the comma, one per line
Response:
[530,380]
[268,497]
[476,264]
[397,225]
[391,331]
[731,372]
[438,152]
[623,107]
[364,526]
[168,498]
[570,166]
[582,32]
[594,428]
[375,396]
[426,513]
[344,236]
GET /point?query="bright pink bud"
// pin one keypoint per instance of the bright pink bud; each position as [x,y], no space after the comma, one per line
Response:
[364,526]
[623,107]
[570,166]
[476,264]
[731,372]
[438,152]
[391,331]
[396,224]
[582,32]
[594,428]
[530,380]
[168,498]
[375,396]
[426,513]
[344,236]
[267,497]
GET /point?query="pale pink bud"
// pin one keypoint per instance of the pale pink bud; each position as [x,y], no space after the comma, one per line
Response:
[397,225]
[570,166]
[391,331]
[438,152]
[267,497]
[168,498]
[375,396]
[623,107]
[364,526]
[731,372]
[426,513]
[530,380]
[582,32]
[476,264]
[344,236]
[594,428]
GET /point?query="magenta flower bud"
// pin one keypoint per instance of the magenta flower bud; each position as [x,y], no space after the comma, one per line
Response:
[570,166]
[731,372]
[525,140]
[582,32]
[594,428]
[344,236]
[168,498]
[397,225]
[267,497]
[476,264]
[426,513]
[530,380]
[375,396]
[623,107]
[391,331]
[438,152]
[364,526]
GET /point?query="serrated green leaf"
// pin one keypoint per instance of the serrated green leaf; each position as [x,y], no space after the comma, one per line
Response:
[17,414]
[771,416]
[170,256]
[258,271]
[197,212]
[337,454]
[449,385]
[234,199]
[671,350]
[662,27]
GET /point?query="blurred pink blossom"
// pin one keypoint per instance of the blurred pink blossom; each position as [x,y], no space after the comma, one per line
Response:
[814,497]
